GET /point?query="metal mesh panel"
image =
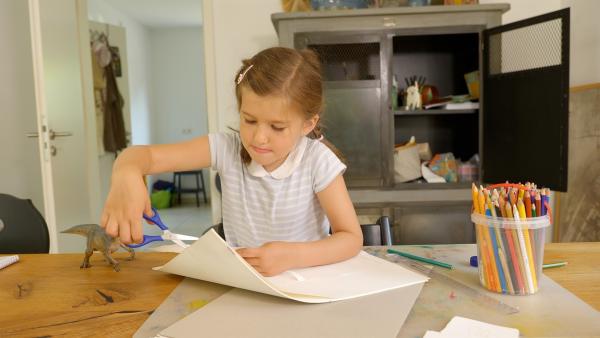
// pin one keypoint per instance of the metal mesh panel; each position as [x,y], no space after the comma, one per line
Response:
[531,47]
[353,61]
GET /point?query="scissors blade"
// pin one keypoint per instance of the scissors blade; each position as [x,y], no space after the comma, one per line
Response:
[184,237]
[180,243]
[176,238]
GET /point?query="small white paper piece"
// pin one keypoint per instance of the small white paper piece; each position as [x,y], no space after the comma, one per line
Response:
[211,259]
[429,175]
[460,327]
[8,260]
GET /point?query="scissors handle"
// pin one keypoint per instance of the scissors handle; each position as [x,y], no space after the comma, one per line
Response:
[155,219]
[147,239]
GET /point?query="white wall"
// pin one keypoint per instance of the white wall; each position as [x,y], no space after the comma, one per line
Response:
[20,170]
[233,30]
[177,87]
[241,29]
[585,41]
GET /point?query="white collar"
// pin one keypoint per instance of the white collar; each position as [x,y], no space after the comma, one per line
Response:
[286,168]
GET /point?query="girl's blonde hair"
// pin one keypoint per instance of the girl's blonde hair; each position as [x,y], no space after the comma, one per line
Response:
[289,73]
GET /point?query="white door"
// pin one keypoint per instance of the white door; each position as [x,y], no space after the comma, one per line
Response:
[65,123]
[20,171]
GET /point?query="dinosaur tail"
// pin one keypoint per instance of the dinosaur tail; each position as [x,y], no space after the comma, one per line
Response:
[81,229]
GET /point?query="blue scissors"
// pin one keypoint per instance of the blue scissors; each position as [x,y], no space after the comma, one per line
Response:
[166,234]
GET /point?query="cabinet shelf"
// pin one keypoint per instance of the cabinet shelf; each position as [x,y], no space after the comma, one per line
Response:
[434,112]
[431,186]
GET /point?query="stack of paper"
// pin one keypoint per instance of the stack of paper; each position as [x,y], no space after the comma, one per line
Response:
[460,327]
[211,259]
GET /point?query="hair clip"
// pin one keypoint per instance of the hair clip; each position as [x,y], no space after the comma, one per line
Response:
[241,76]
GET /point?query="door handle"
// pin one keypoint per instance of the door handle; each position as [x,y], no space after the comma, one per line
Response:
[55,134]
[52,134]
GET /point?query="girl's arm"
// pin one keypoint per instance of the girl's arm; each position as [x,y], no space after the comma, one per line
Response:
[128,196]
[345,242]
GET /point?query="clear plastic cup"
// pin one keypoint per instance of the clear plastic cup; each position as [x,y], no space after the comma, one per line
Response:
[510,253]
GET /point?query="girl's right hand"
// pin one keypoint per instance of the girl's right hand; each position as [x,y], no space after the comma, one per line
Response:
[126,202]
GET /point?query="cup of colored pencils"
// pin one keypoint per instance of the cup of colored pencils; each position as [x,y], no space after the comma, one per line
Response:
[510,226]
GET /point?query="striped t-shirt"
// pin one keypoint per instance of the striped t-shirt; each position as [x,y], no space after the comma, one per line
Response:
[257,210]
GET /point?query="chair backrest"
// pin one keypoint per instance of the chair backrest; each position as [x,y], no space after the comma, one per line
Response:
[373,234]
[378,233]
[25,230]
[218,229]
[218,182]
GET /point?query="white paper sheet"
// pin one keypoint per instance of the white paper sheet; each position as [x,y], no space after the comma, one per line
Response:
[211,259]
[460,327]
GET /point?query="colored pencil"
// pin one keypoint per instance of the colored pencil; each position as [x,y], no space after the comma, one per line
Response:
[490,257]
[527,202]
[523,248]
[495,241]
[421,259]
[515,253]
[554,265]
[528,244]
[495,209]
[483,274]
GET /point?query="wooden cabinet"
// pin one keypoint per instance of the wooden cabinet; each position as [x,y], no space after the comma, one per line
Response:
[523,70]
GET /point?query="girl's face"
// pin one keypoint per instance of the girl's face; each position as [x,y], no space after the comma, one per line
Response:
[270,127]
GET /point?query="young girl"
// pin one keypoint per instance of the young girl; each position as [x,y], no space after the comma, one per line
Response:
[282,185]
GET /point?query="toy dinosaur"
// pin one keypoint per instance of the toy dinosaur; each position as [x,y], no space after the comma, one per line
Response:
[98,240]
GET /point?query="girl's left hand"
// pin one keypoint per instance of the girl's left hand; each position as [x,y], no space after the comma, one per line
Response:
[270,259]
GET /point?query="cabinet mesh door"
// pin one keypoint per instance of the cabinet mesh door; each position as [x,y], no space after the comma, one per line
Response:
[351,67]
[348,62]
[525,101]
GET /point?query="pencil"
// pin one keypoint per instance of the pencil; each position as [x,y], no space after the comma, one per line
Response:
[506,257]
[495,245]
[527,201]
[554,265]
[421,259]
[483,272]
[500,258]
[515,254]
[521,194]
[538,203]
[528,244]
[525,265]
[533,233]
[543,203]
[489,251]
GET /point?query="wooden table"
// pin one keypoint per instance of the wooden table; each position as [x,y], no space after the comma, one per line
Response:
[48,295]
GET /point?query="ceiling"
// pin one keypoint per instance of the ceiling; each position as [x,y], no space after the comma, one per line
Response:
[161,13]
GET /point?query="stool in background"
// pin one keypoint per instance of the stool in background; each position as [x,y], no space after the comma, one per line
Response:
[199,185]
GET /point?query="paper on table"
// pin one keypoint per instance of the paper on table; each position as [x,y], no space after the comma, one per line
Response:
[461,327]
[253,315]
[211,259]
